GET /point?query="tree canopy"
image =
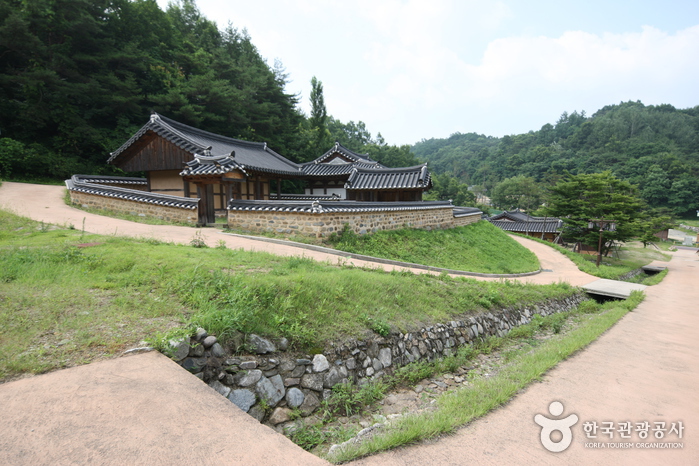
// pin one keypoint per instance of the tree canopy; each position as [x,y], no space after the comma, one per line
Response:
[653,147]
[596,205]
[79,77]
[518,192]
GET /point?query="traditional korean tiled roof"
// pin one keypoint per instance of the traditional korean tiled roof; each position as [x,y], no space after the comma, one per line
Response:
[518,221]
[255,156]
[466,211]
[334,169]
[111,179]
[203,165]
[416,177]
[308,197]
[331,165]
[74,184]
[345,152]
[532,227]
[518,216]
[319,207]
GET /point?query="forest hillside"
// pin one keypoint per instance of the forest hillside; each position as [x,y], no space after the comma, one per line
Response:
[654,147]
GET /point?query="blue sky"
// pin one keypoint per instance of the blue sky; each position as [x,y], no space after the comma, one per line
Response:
[428,68]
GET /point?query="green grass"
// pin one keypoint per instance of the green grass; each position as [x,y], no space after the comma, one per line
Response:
[691,222]
[63,305]
[467,404]
[479,247]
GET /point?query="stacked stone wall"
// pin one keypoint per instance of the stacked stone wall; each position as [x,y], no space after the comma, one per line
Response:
[466,220]
[270,384]
[143,209]
[325,224]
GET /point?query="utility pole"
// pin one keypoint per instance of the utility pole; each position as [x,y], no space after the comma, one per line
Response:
[601,223]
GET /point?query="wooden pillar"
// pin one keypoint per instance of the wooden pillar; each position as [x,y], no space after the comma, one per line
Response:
[259,195]
[210,207]
[229,193]
[202,207]
[279,189]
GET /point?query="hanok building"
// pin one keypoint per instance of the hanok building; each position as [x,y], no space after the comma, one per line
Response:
[547,228]
[354,176]
[184,161]
[193,176]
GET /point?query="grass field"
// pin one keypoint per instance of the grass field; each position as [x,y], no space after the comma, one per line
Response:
[68,298]
[479,247]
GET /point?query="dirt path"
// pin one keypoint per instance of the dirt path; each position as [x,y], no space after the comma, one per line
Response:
[643,369]
[45,203]
[135,410]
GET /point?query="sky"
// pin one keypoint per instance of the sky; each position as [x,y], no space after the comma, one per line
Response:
[421,69]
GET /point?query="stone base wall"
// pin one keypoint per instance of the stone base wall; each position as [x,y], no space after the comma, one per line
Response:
[463,221]
[324,224]
[289,382]
[143,209]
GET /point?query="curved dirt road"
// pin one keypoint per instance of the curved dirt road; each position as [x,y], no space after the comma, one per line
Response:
[45,203]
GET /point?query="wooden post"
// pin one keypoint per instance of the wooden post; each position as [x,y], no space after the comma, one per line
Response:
[202,207]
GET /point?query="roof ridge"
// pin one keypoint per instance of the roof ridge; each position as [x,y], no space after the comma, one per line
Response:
[395,169]
[174,124]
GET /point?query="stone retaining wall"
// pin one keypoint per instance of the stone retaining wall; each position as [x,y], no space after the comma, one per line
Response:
[691,228]
[143,209]
[324,224]
[271,383]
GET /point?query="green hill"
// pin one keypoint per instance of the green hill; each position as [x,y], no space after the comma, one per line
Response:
[655,147]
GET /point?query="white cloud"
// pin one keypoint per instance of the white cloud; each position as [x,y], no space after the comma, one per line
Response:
[578,61]
[424,68]
[534,79]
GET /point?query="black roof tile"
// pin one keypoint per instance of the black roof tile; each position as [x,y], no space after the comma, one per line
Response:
[553,225]
[416,177]
[74,184]
[333,206]
[342,150]
[253,155]
[111,179]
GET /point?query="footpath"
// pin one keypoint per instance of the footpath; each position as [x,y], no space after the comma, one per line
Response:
[144,409]
[644,369]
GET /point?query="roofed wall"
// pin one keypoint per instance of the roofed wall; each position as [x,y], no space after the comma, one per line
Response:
[325,224]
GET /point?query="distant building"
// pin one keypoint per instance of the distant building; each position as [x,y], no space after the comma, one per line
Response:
[547,228]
